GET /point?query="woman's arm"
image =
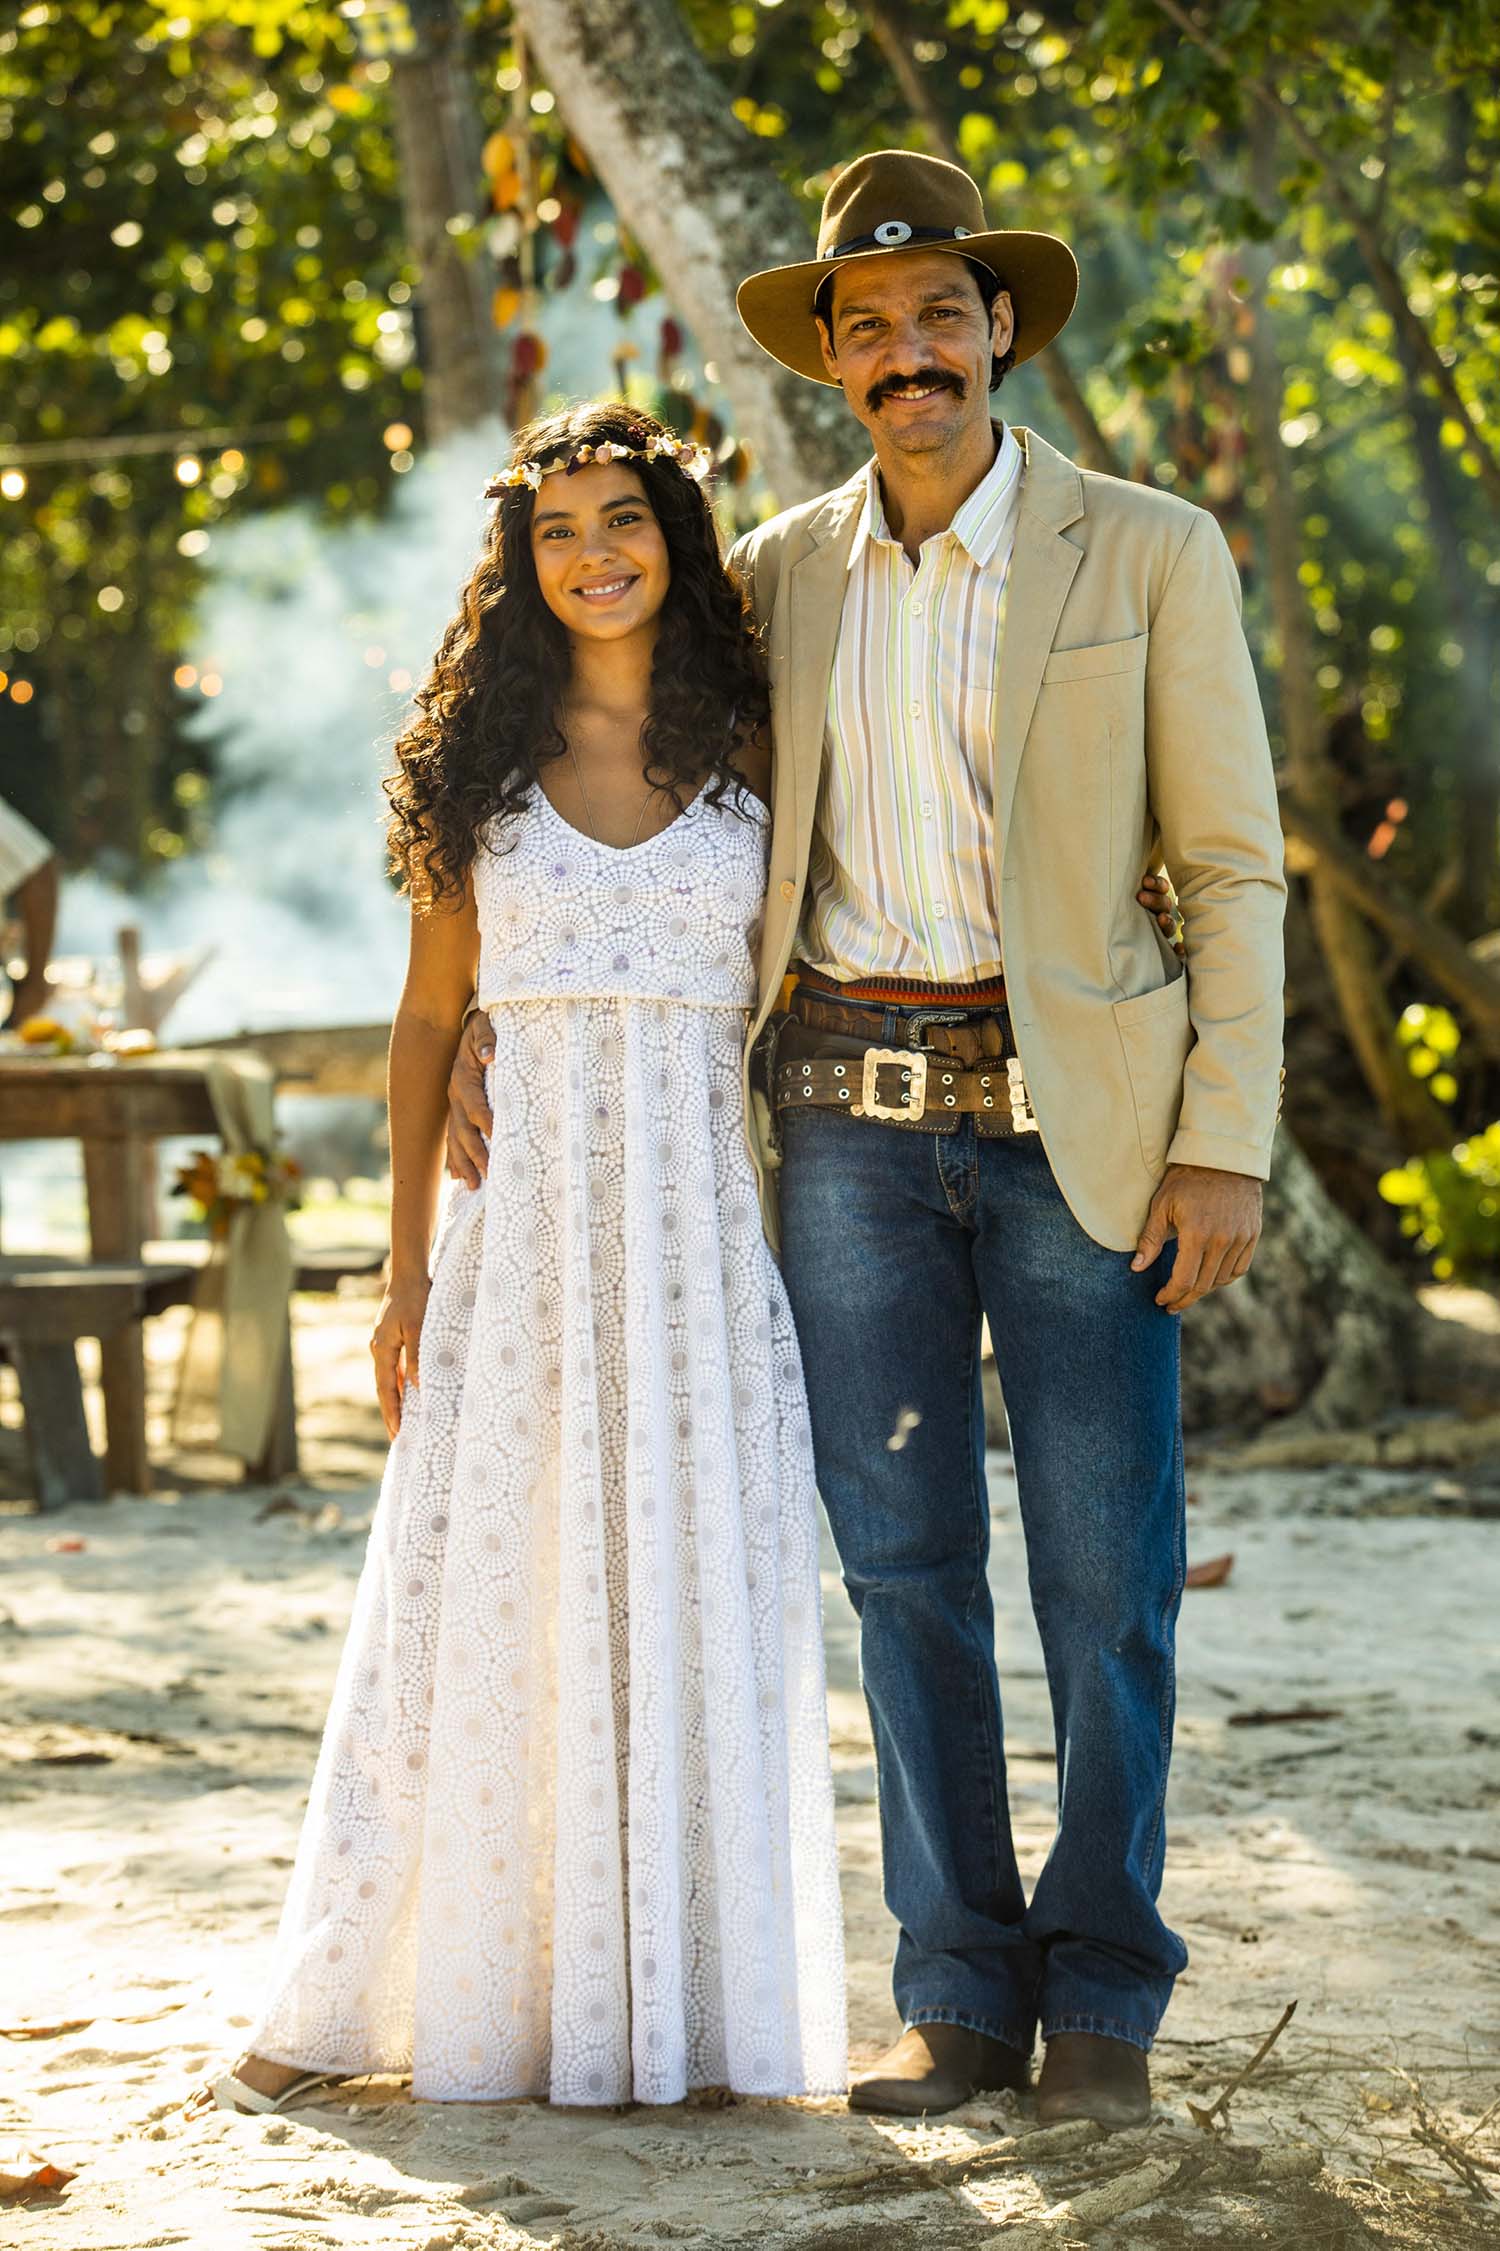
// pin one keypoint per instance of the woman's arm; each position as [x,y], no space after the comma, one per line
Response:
[440,976]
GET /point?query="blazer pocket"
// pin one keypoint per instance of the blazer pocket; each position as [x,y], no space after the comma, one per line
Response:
[1097,662]
[1156,1034]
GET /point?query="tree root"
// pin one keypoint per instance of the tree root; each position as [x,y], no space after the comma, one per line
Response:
[1435,1442]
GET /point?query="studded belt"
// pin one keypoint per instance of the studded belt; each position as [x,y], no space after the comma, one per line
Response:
[901,1086]
[914,1087]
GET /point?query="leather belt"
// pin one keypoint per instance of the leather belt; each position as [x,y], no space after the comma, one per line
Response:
[953,1064]
[972,1037]
[906,1086]
[904,992]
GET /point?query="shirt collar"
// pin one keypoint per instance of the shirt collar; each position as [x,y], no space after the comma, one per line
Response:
[983,522]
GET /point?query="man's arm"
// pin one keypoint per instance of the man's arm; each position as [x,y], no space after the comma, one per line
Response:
[1214,797]
[1213,794]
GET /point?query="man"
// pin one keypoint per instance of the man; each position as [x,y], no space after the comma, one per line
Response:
[28,881]
[1001,687]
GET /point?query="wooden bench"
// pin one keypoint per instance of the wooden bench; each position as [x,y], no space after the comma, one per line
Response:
[46,1305]
[318,1270]
[322,1270]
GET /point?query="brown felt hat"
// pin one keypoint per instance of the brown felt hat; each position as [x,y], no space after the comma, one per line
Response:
[895,203]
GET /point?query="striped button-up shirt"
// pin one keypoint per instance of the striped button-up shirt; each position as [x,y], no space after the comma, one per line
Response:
[902,878]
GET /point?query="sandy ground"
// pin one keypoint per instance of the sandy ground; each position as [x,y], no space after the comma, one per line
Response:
[164,1685]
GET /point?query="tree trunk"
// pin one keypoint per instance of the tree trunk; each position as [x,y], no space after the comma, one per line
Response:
[1345,940]
[691,187]
[437,139]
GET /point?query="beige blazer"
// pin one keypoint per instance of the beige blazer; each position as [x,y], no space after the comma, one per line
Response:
[1129,735]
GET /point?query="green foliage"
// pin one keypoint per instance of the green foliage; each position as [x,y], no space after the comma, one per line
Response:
[205,278]
[1449,1199]
[1430,1037]
[1450,1206]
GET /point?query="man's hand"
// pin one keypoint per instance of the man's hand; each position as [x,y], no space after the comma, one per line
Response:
[1160,902]
[1216,1217]
[469,1118]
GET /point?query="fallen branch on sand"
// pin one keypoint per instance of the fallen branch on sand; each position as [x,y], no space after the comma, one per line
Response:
[1220,2109]
[1451,2151]
[1134,2180]
[1219,2167]
[955,2167]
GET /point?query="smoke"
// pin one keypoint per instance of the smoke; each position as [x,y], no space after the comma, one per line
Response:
[318,634]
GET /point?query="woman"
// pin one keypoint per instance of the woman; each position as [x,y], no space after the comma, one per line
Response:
[571,1829]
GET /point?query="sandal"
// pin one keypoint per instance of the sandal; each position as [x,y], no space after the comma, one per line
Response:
[230,2093]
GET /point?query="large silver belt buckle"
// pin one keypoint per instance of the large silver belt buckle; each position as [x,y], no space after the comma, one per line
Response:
[1022,1116]
[913,1065]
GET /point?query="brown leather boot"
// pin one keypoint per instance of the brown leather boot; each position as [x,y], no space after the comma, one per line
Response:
[936,2067]
[1085,2075]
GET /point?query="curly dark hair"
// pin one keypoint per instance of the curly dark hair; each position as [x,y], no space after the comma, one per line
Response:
[487,714]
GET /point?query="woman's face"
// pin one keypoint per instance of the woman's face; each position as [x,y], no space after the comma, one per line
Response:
[601,561]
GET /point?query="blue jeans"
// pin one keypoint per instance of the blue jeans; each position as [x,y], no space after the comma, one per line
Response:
[893,1245]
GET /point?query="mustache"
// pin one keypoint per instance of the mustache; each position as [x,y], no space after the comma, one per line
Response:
[941,378]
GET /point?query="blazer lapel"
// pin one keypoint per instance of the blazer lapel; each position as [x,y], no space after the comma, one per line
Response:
[803,635]
[1041,571]
[814,598]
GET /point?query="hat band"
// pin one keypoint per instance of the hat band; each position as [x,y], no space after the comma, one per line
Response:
[895,234]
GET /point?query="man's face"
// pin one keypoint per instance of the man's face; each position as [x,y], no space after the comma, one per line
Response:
[912,346]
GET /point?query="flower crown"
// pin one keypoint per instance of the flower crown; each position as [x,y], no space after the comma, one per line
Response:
[694,460]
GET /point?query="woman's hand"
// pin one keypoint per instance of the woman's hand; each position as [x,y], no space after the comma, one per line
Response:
[398,1331]
[1158,898]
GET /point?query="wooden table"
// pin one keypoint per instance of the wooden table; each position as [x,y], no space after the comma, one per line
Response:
[115,1109]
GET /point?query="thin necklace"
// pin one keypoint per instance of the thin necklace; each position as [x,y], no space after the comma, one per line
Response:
[588,810]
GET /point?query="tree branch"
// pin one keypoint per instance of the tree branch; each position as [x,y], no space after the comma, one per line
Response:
[1421,935]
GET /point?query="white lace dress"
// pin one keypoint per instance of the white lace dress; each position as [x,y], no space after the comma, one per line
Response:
[571,1828]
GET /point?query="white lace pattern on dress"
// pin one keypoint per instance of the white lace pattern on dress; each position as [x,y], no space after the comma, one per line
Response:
[571,1828]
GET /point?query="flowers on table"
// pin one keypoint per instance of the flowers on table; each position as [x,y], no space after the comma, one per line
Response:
[221,1184]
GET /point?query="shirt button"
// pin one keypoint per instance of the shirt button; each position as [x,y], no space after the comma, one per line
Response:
[927,808]
[916,609]
[916,710]
[940,910]
[789,890]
